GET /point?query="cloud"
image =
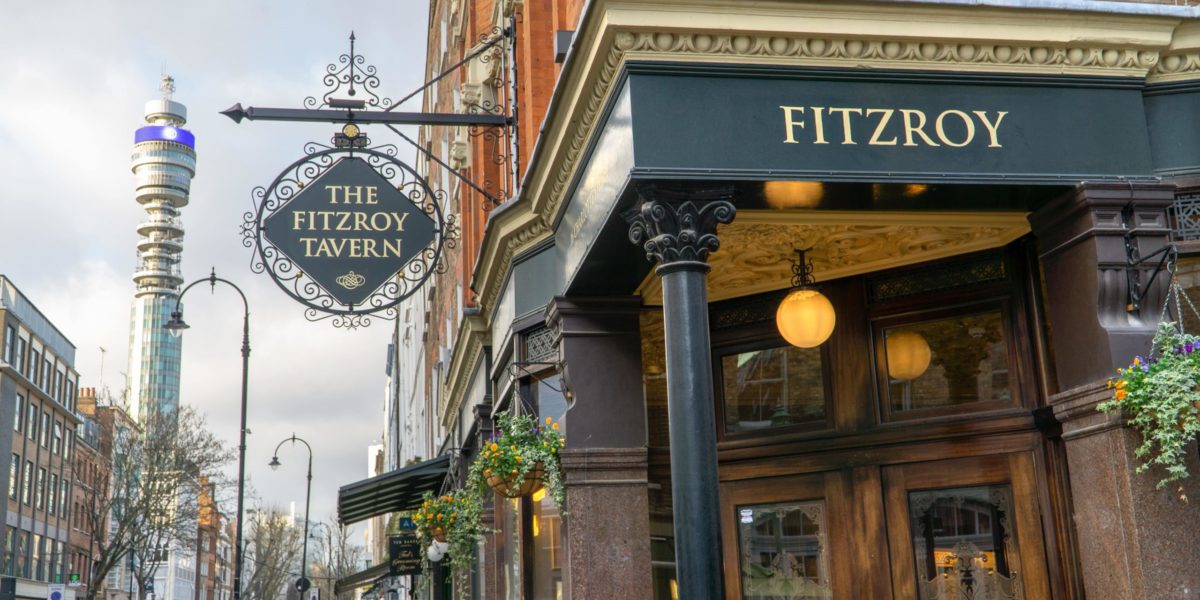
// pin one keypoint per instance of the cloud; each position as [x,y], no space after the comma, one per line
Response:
[77,74]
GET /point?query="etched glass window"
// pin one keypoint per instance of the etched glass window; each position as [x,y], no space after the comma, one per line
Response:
[947,362]
[964,544]
[772,387]
[782,551]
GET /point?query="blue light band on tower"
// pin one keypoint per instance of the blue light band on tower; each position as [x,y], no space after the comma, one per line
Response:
[164,133]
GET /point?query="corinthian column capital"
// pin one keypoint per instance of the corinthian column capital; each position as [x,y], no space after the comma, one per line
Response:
[680,227]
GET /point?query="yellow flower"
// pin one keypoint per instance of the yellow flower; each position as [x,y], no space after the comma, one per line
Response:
[549,420]
[1110,384]
[518,459]
[1137,361]
[1120,394]
[487,472]
[555,427]
[1121,384]
[495,446]
[439,517]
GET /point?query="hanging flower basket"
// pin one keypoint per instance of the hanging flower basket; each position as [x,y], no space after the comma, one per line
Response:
[1160,397]
[516,486]
[519,459]
[438,533]
[453,521]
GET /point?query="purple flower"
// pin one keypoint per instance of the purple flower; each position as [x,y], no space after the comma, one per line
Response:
[1189,347]
[1146,368]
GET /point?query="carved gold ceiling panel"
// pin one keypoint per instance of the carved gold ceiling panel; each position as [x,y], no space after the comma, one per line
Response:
[758,247]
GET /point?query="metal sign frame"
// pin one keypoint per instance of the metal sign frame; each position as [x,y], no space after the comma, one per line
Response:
[284,271]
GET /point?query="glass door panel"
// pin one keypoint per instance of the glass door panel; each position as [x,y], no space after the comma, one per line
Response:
[781,535]
[966,529]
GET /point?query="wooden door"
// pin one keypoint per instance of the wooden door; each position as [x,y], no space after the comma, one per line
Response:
[966,529]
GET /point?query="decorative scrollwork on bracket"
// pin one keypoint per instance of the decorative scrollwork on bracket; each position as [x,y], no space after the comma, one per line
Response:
[352,75]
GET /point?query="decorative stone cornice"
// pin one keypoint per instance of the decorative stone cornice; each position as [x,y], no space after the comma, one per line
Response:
[468,346]
[896,53]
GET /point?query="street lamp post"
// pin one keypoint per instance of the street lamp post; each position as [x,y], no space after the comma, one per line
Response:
[302,584]
[176,326]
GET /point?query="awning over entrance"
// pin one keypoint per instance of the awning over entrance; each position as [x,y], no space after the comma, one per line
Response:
[360,579]
[390,492]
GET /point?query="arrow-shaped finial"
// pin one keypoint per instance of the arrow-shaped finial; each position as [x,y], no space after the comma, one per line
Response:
[235,112]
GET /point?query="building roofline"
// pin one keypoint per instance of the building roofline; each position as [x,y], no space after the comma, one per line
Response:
[5,302]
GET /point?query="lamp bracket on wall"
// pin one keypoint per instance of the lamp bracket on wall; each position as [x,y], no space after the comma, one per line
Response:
[1167,257]
[802,270]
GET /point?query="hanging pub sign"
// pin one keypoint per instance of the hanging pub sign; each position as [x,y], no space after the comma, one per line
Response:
[349,230]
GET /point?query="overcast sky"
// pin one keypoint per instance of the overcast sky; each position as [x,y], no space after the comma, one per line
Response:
[74,77]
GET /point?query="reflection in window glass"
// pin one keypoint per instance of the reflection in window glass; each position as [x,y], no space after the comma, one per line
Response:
[964,545]
[947,362]
[773,387]
[782,551]
[546,545]
[654,378]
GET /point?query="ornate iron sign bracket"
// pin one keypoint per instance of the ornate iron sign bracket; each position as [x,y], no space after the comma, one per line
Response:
[349,230]
[351,75]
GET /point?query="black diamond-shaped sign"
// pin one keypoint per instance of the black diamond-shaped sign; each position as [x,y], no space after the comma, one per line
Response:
[350,230]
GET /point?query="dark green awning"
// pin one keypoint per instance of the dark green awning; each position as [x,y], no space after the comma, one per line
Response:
[360,579]
[391,492]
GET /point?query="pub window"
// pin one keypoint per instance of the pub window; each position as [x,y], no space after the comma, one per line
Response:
[19,414]
[46,380]
[545,532]
[772,386]
[45,432]
[964,544]
[58,438]
[35,367]
[65,487]
[941,362]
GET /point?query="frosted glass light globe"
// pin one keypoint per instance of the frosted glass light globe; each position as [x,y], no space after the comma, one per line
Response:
[805,318]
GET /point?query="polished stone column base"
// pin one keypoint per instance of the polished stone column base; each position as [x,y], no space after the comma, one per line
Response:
[1135,542]
[607,525]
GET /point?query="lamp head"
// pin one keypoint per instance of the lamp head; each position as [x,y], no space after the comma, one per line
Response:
[176,325]
[274,464]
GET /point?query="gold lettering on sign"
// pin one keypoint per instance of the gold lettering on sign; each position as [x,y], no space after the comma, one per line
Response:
[953,128]
[886,116]
[790,121]
[847,131]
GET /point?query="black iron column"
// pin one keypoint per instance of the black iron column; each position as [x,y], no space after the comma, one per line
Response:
[679,231]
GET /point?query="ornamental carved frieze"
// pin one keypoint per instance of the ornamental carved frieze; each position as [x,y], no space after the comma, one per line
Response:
[754,256]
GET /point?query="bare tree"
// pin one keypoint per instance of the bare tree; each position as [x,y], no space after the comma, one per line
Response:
[271,554]
[335,556]
[151,497]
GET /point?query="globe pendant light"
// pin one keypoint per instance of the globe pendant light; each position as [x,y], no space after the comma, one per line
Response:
[908,355]
[806,317]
